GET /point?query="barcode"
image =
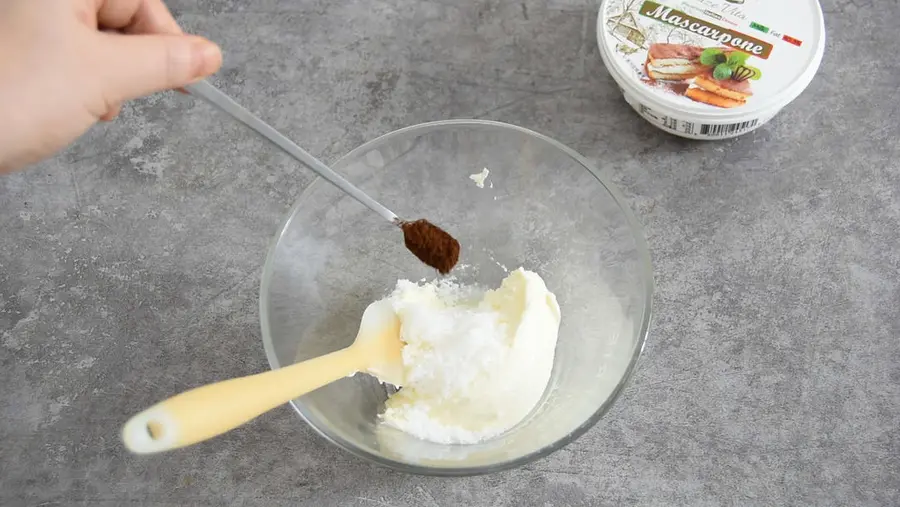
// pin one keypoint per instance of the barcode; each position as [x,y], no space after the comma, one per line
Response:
[726,129]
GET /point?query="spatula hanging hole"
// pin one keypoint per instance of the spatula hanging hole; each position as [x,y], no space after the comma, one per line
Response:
[155,430]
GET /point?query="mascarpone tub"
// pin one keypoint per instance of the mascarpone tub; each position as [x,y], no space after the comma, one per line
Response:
[710,69]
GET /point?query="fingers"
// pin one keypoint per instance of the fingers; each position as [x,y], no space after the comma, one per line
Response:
[139,65]
[164,64]
[112,113]
[136,17]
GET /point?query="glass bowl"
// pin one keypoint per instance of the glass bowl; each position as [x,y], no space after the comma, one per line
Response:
[543,207]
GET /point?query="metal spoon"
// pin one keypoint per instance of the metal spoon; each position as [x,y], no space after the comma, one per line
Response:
[223,102]
[431,244]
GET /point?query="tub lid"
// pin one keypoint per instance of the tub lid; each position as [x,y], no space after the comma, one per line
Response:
[713,57]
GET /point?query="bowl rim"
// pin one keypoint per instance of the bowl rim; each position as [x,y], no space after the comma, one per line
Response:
[646,274]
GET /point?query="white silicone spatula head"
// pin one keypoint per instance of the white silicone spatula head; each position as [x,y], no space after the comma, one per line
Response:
[208,411]
[379,335]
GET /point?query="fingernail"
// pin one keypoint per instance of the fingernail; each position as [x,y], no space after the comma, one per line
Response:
[207,58]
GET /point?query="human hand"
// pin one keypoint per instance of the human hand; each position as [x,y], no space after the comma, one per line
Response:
[65,64]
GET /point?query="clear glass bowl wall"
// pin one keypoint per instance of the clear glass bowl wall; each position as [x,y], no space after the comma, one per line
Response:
[542,208]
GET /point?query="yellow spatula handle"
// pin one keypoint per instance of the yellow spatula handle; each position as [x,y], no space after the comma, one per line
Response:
[209,411]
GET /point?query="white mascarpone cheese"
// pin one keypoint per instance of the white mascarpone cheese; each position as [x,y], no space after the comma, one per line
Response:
[476,363]
[479,178]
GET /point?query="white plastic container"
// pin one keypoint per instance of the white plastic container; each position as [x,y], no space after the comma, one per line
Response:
[710,69]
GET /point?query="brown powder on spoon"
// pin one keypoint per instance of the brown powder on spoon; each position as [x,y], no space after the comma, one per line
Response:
[431,244]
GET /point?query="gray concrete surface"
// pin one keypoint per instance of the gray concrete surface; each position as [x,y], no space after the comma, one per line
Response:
[129,267]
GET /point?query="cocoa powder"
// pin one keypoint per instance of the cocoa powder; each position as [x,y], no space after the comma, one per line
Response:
[431,244]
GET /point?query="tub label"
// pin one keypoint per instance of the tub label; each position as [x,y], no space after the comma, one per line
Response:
[722,35]
[693,129]
[708,55]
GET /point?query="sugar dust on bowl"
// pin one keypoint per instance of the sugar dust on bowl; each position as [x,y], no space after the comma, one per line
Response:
[710,69]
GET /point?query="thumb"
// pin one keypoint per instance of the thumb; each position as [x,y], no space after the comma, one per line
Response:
[133,66]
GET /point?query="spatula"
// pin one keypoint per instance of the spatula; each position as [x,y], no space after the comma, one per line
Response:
[208,411]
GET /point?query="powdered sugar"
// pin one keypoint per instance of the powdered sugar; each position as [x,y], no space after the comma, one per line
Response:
[476,362]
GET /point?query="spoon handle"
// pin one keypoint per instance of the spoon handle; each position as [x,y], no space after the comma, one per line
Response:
[208,411]
[223,102]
